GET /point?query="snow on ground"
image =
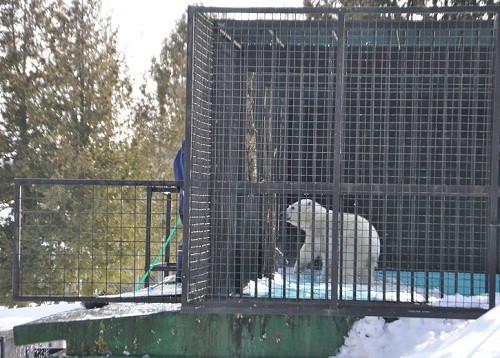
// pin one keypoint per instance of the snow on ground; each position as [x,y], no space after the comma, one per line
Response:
[17,316]
[406,337]
[75,311]
[369,337]
[425,337]
[479,338]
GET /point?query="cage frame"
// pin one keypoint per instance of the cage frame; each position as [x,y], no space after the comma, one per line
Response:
[335,307]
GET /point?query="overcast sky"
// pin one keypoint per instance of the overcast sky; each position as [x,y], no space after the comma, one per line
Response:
[144,24]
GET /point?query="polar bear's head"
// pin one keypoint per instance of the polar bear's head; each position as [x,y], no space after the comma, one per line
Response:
[301,212]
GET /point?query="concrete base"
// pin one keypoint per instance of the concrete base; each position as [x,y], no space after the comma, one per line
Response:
[9,350]
[181,334]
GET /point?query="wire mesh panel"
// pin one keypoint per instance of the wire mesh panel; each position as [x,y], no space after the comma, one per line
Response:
[343,161]
[96,240]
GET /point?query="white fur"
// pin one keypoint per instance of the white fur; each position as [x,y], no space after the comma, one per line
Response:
[357,236]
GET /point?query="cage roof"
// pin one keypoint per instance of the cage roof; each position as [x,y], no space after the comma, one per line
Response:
[359,33]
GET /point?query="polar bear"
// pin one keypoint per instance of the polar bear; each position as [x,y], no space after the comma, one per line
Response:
[360,240]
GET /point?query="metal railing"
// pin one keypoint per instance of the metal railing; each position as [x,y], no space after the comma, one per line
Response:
[96,240]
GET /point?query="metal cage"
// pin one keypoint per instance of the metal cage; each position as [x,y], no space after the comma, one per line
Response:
[96,241]
[388,114]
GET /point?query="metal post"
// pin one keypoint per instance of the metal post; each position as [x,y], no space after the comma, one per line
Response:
[337,145]
[2,347]
[149,194]
[167,232]
[493,256]
[187,178]
[16,270]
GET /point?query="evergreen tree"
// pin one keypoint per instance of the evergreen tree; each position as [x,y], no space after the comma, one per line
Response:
[85,90]
[159,115]
[404,3]
[21,74]
[347,3]
[350,3]
[62,91]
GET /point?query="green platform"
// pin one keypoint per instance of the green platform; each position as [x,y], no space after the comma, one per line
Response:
[177,334]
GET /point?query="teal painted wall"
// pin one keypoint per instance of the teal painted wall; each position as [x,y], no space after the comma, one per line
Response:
[176,334]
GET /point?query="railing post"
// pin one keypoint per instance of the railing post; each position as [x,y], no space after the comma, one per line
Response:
[149,196]
[16,277]
[493,256]
[168,216]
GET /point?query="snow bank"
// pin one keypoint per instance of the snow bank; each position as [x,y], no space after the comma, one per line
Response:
[427,337]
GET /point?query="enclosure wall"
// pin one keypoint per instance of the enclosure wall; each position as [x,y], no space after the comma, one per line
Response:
[388,115]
